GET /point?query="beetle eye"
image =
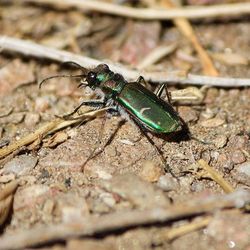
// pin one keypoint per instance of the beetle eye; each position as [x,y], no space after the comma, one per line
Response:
[91,77]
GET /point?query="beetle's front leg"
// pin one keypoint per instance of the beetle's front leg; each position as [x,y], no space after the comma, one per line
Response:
[92,103]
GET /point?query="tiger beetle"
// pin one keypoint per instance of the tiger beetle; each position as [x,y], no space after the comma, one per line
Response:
[147,109]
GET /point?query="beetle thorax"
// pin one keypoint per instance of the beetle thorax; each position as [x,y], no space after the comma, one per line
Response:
[111,87]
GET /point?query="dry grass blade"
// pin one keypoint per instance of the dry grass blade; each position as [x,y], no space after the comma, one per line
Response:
[151,14]
[187,30]
[6,198]
[156,54]
[32,49]
[171,234]
[50,127]
[39,133]
[216,177]
[122,220]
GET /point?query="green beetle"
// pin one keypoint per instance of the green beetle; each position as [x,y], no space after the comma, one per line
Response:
[146,108]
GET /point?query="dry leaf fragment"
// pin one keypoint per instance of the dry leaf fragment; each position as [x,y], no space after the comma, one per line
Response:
[6,198]
[232,59]
[212,123]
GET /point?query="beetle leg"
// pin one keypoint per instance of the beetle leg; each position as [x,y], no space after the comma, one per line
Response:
[93,103]
[113,110]
[158,150]
[160,90]
[142,81]
[93,153]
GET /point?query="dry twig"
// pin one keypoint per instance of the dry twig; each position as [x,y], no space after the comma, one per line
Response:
[32,49]
[237,9]
[122,220]
[177,232]
[216,177]
[173,233]
[46,129]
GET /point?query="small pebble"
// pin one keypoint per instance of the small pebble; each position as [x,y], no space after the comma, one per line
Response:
[211,95]
[224,161]
[207,114]
[206,155]
[4,143]
[48,206]
[220,141]
[150,172]
[103,174]
[244,168]
[127,142]
[70,214]
[188,114]
[197,186]
[20,165]
[167,183]
[108,199]
[41,104]
[31,119]
[212,123]
[110,151]
[238,157]
[215,155]
[238,142]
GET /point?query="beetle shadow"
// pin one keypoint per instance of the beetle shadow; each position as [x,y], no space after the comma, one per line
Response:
[180,135]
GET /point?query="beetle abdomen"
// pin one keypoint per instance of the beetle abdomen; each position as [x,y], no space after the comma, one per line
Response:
[154,113]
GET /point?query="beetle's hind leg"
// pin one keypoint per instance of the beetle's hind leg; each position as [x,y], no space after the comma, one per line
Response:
[158,150]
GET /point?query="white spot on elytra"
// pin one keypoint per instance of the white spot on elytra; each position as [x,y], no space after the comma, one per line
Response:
[143,110]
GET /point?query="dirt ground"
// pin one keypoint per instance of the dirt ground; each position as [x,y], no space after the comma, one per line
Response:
[58,181]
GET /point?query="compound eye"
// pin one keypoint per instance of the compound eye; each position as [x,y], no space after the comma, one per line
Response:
[91,77]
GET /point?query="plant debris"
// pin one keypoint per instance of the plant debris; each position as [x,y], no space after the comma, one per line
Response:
[92,180]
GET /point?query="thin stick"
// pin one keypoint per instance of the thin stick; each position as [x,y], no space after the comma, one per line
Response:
[32,49]
[88,226]
[216,177]
[173,233]
[237,9]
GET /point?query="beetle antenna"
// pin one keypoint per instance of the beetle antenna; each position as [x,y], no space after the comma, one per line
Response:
[57,76]
[75,64]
